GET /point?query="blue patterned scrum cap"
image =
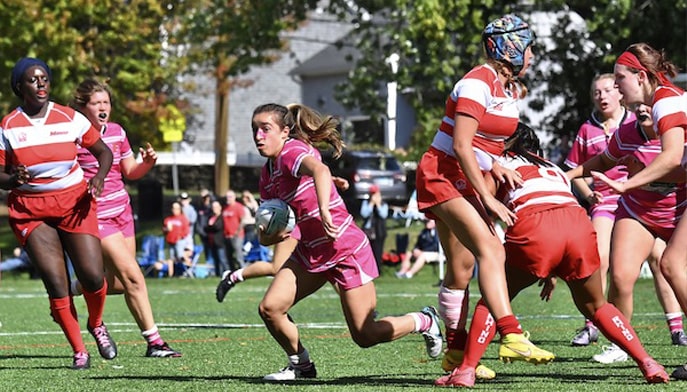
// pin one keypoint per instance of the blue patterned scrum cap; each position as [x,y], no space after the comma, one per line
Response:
[506,39]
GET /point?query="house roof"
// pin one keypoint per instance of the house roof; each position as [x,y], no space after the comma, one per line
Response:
[328,61]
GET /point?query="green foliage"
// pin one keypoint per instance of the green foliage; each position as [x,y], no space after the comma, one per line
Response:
[114,40]
[439,41]
[610,26]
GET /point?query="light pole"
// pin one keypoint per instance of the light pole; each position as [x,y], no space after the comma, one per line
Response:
[391,103]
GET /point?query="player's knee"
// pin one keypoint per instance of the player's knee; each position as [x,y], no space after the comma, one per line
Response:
[363,340]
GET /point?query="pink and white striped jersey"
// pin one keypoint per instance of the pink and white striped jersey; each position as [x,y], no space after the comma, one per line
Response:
[114,199]
[591,140]
[280,180]
[657,204]
[47,147]
[480,95]
[543,187]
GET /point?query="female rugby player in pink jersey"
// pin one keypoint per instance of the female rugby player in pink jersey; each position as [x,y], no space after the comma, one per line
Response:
[644,215]
[52,207]
[115,217]
[331,248]
[642,74]
[592,138]
[481,112]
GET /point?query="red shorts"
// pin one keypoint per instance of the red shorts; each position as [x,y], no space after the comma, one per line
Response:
[560,242]
[122,223]
[439,178]
[72,210]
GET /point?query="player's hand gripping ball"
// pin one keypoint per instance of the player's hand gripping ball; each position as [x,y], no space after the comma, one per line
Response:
[275,216]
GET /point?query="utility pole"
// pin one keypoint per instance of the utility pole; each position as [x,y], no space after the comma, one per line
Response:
[222,181]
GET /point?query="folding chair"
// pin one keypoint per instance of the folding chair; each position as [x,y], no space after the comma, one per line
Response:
[253,251]
[195,270]
[411,212]
[152,251]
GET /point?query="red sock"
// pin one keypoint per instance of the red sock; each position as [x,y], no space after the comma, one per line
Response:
[456,339]
[482,331]
[95,302]
[508,324]
[64,314]
[618,330]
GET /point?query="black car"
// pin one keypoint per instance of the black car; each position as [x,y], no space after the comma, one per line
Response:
[364,168]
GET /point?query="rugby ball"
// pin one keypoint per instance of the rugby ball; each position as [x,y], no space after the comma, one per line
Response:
[275,216]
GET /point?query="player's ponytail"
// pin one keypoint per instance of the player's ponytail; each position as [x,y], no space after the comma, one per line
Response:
[525,143]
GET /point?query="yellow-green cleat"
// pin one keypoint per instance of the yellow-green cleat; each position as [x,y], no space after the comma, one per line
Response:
[517,347]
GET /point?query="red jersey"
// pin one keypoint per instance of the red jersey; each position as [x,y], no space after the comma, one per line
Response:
[232,214]
[176,228]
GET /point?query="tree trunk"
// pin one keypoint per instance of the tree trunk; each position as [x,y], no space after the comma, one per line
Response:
[222,181]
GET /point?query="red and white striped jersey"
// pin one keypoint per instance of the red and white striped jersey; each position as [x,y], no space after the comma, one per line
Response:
[480,95]
[669,109]
[543,187]
[47,146]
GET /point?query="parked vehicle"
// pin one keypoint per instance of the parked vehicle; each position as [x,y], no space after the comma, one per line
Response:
[364,168]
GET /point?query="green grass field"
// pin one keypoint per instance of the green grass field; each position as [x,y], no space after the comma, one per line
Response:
[227,348]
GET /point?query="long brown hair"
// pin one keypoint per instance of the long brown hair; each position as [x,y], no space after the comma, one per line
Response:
[516,86]
[306,124]
[655,61]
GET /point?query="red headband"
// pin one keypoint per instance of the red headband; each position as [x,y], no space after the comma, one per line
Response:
[630,60]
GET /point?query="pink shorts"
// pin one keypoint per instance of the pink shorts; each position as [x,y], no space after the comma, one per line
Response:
[122,223]
[664,233]
[72,210]
[439,179]
[355,270]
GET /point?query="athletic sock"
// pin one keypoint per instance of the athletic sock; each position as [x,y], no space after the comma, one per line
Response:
[508,324]
[482,331]
[452,304]
[236,276]
[422,321]
[64,313]
[618,330]
[95,302]
[300,360]
[674,321]
[456,339]
[152,336]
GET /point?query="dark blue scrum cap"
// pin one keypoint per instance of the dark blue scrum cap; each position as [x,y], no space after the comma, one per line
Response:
[21,67]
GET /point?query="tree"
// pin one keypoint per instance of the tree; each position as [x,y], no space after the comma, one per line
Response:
[225,38]
[112,40]
[609,27]
[440,40]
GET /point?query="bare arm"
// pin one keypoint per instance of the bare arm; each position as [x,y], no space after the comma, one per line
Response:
[311,166]
[19,176]
[104,156]
[664,166]
[463,132]
[133,170]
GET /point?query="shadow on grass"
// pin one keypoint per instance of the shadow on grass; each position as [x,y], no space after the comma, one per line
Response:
[367,381]
[29,366]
